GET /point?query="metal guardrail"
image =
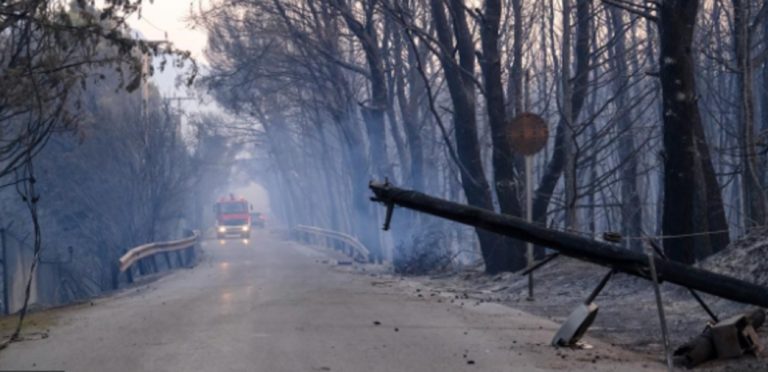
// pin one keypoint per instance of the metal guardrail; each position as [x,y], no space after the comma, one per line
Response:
[135,254]
[335,239]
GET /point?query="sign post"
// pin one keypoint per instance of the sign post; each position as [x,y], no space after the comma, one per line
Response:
[528,134]
[529,218]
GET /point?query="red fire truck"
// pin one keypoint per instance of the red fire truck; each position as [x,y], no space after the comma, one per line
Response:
[232,217]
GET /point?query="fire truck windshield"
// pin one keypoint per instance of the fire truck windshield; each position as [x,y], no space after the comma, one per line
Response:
[234,222]
[233,208]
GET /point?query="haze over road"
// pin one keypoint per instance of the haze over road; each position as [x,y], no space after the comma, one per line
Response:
[273,305]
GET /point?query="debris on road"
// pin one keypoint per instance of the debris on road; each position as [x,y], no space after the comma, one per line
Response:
[729,338]
[739,274]
[574,245]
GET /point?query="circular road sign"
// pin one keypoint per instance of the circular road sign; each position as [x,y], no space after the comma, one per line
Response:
[528,133]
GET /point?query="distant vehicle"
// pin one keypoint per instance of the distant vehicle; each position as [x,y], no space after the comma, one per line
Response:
[258,219]
[232,217]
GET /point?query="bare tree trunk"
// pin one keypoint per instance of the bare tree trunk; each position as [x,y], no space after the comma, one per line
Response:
[515,84]
[764,112]
[363,217]
[330,181]
[569,136]
[692,200]
[753,198]
[631,210]
[391,51]
[459,77]
[374,114]
[412,121]
[504,163]
[376,111]
[578,83]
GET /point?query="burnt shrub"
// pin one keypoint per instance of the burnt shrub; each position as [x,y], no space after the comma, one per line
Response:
[426,252]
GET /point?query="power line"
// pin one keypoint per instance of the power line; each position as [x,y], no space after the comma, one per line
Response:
[165,33]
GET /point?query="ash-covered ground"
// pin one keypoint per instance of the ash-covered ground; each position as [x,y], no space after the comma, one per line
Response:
[628,316]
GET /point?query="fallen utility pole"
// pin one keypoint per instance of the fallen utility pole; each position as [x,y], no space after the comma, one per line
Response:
[573,245]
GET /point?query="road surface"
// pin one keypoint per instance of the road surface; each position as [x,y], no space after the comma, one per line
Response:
[274,305]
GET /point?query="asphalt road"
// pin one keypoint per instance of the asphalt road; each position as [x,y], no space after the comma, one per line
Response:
[273,305]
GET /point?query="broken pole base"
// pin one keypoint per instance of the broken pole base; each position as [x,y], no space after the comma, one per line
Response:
[576,325]
[704,347]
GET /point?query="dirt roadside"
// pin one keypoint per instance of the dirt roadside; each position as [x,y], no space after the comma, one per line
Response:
[627,319]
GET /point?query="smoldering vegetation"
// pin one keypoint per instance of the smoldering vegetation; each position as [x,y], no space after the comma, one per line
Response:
[127,176]
[328,95]
[422,93]
[93,160]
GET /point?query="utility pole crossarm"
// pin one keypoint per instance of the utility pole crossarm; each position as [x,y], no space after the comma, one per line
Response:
[575,246]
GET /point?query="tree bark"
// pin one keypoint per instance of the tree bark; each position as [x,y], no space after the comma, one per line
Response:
[459,78]
[764,115]
[752,195]
[407,76]
[515,83]
[569,136]
[504,159]
[376,111]
[375,125]
[692,200]
[631,210]
[579,82]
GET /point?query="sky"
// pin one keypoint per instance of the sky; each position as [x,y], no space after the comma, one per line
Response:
[168,20]
[169,17]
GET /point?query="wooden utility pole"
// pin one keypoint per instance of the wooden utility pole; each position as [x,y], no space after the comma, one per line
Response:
[576,246]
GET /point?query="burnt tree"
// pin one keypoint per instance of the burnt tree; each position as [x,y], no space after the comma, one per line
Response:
[693,208]
[575,101]
[459,76]
[504,159]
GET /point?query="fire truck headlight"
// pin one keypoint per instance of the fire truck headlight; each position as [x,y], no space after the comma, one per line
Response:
[222,229]
[245,228]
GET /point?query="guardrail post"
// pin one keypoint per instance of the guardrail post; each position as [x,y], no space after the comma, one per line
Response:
[129,275]
[153,261]
[348,244]
[148,264]
[168,261]
[191,255]
[180,259]
[6,275]
[142,267]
